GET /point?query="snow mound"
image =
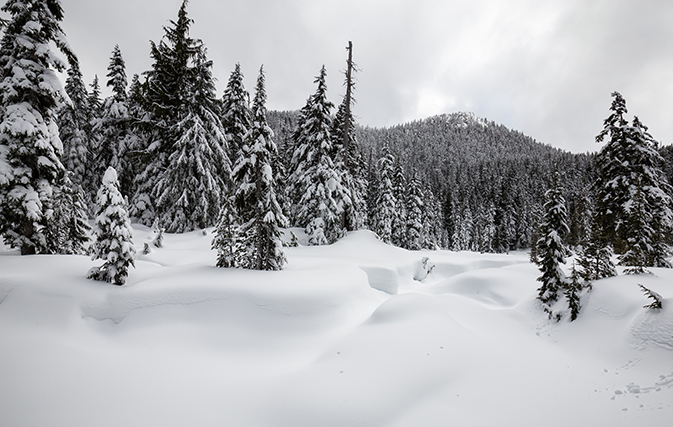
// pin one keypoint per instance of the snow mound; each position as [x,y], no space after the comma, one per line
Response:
[654,327]
[402,308]
[382,279]
[491,286]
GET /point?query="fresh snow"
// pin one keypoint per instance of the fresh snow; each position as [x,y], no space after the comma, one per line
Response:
[343,336]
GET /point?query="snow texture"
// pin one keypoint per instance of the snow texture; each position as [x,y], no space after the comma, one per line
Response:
[186,343]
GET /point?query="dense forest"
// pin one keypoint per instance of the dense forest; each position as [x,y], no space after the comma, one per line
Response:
[166,151]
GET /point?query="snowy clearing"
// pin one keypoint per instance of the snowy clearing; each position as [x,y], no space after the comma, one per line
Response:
[343,336]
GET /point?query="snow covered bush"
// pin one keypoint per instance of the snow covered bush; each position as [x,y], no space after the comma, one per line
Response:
[113,233]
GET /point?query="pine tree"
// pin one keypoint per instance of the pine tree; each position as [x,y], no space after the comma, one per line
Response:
[113,233]
[414,218]
[30,95]
[647,212]
[187,171]
[572,291]
[595,258]
[166,88]
[256,199]
[228,241]
[315,179]
[235,112]
[386,202]
[73,129]
[112,128]
[189,192]
[67,229]
[550,247]
[399,224]
[612,177]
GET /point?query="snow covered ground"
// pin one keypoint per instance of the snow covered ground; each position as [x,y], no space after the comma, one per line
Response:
[344,336]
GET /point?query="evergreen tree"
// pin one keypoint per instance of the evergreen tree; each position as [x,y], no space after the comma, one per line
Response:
[113,233]
[572,290]
[256,199]
[386,202]
[30,95]
[647,212]
[399,224]
[228,241]
[612,177]
[94,101]
[550,247]
[73,129]
[111,129]
[595,258]
[414,208]
[185,177]
[315,178]
[235,112]
[189,192]
[166,89]
[67,229]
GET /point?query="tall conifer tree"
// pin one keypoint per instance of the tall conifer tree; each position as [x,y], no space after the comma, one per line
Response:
[385,212]
[256,198]
[187,171]
[551,251]
[315,179]
[30,95]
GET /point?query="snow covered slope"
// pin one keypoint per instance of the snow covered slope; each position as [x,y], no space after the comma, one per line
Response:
[344,336]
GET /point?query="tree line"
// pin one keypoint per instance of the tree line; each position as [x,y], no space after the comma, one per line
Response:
[165,150]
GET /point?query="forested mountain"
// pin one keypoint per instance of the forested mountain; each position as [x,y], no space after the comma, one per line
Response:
[489,179]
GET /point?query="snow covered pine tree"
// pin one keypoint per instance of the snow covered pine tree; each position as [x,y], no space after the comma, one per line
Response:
[113,233]
[30,95]
[256,197]
[551,251]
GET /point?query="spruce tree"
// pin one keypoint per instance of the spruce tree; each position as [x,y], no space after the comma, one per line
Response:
[112,128]
[414,219]
[67,229]
[573,287]
[189,192]
[30,95]
[400,188]
[228,241]
[166,89]
[315,179]
[594,257]
[647,216]
[256,198]
[235,112]
[186,174]
[113,234]
[551,251]
[386,202]
[73,129]
[612,175]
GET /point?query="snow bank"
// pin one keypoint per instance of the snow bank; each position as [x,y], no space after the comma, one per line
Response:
[344,336]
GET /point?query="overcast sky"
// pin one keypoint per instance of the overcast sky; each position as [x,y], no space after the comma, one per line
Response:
[543,67]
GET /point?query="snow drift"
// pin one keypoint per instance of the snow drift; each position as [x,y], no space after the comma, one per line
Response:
[344,336]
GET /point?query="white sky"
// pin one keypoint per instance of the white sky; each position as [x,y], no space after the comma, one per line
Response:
[544,67]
